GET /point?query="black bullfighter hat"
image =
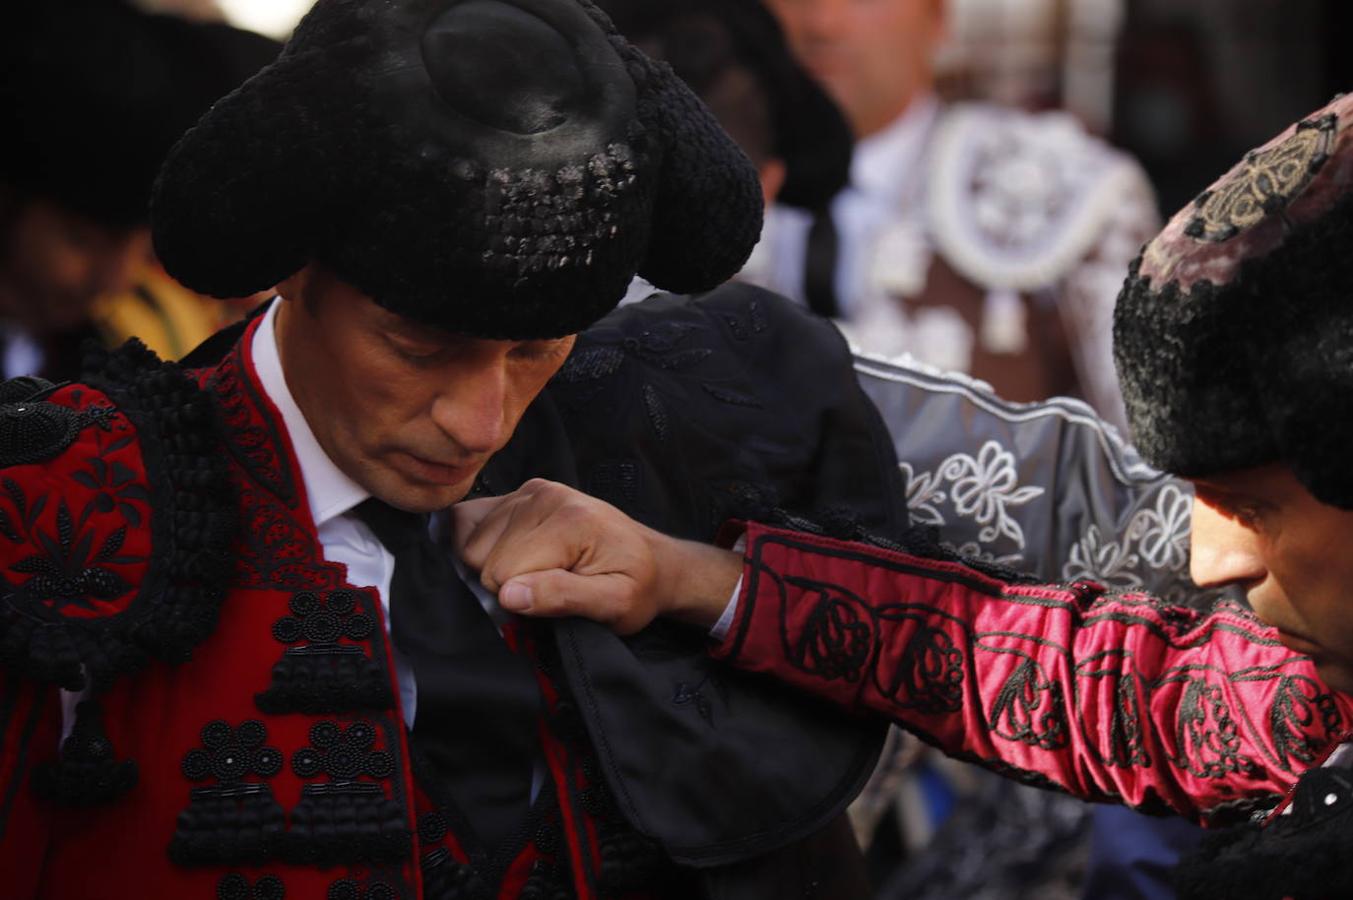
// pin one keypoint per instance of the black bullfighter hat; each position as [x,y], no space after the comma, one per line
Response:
[701,38]
[496,168]
[1234,332]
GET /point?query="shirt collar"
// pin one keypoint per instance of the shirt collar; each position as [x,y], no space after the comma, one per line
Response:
[329,492]
[889,159]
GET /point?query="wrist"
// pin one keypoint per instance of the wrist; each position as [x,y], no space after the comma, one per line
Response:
[695,581]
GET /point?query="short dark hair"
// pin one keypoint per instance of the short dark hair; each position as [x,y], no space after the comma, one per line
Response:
[700,49]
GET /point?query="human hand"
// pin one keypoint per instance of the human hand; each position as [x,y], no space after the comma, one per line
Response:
[551,551]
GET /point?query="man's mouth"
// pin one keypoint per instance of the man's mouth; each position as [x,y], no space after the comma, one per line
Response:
[430,471]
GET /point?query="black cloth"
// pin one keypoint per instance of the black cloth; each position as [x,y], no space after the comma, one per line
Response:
[478,702]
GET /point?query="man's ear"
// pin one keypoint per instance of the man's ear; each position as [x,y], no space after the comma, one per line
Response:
[772,173]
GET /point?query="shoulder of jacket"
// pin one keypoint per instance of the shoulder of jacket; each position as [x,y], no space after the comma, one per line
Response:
[116,518]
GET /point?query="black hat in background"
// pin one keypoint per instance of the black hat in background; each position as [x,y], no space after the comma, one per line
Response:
[706,41]
[1234,332]
[496,168]
[94,93]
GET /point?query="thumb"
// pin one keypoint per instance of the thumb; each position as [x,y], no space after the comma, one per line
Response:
[609,598]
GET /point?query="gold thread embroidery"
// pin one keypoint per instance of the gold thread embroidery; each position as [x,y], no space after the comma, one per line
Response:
[1269,181]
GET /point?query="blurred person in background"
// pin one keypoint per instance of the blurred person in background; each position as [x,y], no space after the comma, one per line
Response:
[977,239]
[733,55]
[92,96]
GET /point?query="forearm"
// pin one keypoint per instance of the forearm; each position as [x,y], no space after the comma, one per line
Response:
[1106,697]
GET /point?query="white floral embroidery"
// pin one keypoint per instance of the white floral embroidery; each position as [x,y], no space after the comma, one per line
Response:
[1156,540]
[974,550]
[983,488]
[924,493]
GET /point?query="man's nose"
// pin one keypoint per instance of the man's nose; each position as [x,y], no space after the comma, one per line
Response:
[1223,550]
[472,409]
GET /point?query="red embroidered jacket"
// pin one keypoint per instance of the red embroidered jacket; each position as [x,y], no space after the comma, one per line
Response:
[240,734]
[1108,697]
[271,763]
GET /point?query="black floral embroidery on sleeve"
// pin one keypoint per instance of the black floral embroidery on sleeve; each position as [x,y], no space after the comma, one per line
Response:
[165,428]
[1207,740]
[69,570]
[1030,708]
[837,637]
[1297,705]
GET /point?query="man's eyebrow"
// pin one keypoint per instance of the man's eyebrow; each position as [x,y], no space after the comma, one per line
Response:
[416,331]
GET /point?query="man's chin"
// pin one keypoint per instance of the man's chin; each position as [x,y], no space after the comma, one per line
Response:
[417,497]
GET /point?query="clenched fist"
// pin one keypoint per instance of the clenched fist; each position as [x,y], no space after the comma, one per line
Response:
[548,550]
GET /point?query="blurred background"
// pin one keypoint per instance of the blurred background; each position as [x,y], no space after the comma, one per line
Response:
[89,110]
[1184,87]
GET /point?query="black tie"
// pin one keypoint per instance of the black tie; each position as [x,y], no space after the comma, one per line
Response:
[478,701]
[819,265]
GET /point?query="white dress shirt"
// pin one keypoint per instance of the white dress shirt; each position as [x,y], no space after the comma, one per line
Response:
[333,496]
[887,182]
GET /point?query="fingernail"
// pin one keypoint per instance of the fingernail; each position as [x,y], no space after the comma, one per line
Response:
[516,597]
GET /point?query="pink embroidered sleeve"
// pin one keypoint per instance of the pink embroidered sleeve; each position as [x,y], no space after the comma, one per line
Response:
[1110,697]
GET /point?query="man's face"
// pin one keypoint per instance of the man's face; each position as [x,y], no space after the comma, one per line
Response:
[54,264]
[1262,530]
[873,56]
[409,413]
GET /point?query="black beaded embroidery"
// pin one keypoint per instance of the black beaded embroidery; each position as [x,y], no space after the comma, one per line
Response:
[319,674]
[445,878]
[25,387]
[547,881]
[236,887]
[345,820]
[88,772]
[615,481]
[234,822]
[34,432]
[432,828]
[174,606]
[351,889]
